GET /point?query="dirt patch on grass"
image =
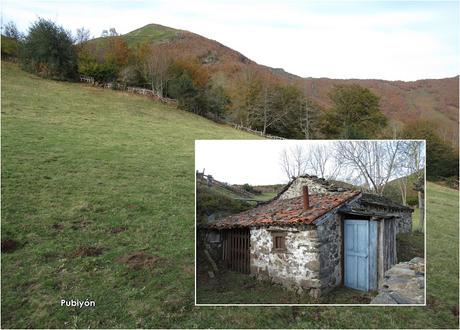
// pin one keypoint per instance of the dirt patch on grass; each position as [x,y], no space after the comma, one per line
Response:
[57,226]
[432,302]
[80,224]
[190,270]
[50,256]
[117,230]
[88,251]
[9,245]
[362,299]
[138,260]
[83,207]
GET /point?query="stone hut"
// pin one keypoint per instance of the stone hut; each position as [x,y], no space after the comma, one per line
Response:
[325,237]
[369,203]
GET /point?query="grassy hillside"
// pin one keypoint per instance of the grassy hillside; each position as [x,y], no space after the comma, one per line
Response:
[392,190]
[217,202]
[151,33]
[87,171]
[98,196]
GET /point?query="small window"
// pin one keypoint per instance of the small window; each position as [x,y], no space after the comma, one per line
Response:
[279,241]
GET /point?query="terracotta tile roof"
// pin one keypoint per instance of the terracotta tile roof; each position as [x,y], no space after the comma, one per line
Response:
[285,212]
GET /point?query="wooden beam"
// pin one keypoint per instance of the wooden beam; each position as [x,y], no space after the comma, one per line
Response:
[394,242]
[381,255]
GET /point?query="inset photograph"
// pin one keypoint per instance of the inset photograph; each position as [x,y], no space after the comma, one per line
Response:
[288,222]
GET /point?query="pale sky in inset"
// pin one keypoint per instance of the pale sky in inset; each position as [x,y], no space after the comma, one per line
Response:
[256,162]
[393,40]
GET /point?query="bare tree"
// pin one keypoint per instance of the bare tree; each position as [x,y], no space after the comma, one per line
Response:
[415,155]
[403,182]
[113,32]
[247,98]
[82,35]
[270,115]
[294,161]
[308,118]
[10,30]
[155,68]
[370,162]
[321,162]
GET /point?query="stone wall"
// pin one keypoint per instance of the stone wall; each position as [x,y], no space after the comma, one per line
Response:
[404,221]
[404,283]
[297,268]
[330,236]
[295,189]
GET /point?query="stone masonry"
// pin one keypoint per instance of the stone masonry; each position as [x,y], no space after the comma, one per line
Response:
[404,283]
[297,268]
[404,223]
[329,234]
[295,189]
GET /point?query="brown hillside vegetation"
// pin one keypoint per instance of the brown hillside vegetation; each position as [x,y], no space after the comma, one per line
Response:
[433,100]
[428,100]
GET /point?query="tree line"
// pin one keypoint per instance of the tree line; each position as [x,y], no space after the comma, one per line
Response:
[252,97]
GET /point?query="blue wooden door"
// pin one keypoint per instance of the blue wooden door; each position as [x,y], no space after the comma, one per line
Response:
[357,253]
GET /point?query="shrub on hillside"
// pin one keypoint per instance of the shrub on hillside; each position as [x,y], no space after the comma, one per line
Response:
[48,51]
[104,61]
[217,101]
[442,158]
[188,82]
[210,202]
[10,48]
[251,189]
[355,114]
[182,88]
[412,200]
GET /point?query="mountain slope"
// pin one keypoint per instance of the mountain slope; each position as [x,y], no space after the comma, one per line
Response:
[91,177]
[435,100]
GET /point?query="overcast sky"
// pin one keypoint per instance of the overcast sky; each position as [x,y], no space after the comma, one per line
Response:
[394,40]
[256,162]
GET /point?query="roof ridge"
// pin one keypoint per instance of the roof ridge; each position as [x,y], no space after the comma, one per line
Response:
[285,211]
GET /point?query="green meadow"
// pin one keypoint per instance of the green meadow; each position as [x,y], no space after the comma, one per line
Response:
[98,204]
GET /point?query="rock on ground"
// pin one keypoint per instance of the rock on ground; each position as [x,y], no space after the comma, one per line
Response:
[404,283]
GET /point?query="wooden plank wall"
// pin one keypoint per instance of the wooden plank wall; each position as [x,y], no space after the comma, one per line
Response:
[373,246]
[235,252]
[389,246]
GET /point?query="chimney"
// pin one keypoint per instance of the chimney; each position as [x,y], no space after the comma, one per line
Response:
[306,198]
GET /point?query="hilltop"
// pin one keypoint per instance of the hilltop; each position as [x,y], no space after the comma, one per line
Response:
[152,33]
[434,100]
